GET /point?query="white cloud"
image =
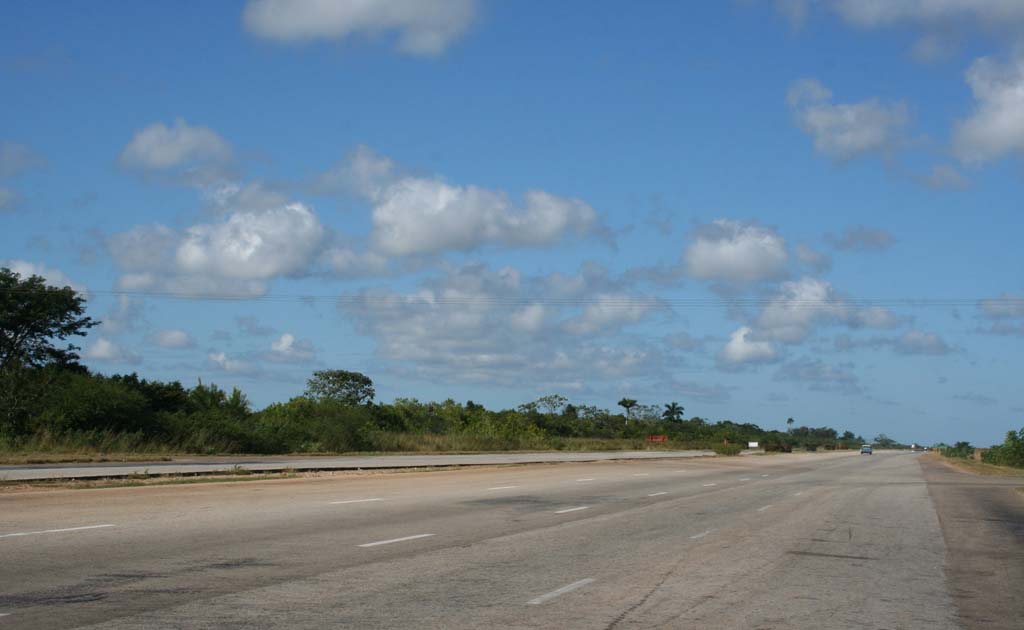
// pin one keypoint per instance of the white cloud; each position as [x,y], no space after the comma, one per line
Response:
[483,325]
[424,27]
[253,245]
[172,338]
[844,131]
[426,215]
[123,316]
[221,361]
[53,277]
[288,349]
[880,13]
[741,349]
[105,350]
[735,252]
[234,256]
[801,305]
[610,311]
[996,127]
[159,147]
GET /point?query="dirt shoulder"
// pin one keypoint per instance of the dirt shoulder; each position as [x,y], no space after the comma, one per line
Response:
[982,519]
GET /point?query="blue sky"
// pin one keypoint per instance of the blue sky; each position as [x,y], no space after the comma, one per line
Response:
[723,204]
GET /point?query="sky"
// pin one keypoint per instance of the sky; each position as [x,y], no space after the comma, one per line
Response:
[759,209]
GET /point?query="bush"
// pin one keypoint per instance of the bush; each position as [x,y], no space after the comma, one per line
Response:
[1009,453]
[727,449]
[963,450]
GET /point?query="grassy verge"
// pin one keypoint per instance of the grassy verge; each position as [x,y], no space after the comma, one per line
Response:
[391,444]
[978,468]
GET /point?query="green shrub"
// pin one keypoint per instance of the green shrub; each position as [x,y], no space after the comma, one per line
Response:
[1009,453]
[963,450]
[727,449]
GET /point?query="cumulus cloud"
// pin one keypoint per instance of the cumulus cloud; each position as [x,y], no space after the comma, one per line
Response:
[106,350]
[862,238]
[729,251]
[425,215]
[253,245]
[236,255]
[879,13]
[222,362]
[844,131]
[743,349]
[610,311]
[53,277]
[1005,314]
[188,150]
[801,305]
[172,338]
[996,127]
[423,27]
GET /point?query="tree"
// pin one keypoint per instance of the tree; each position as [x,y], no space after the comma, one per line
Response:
[553,403]
[789,425]
[350,388]
[673,412]
[33,317]
[627,404]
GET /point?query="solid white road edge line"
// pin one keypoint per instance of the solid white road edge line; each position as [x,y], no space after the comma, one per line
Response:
[394,540]
[568,588]
[354,501]
[575,509]
[657,494]
[762,509]
[56,531]
[502,487]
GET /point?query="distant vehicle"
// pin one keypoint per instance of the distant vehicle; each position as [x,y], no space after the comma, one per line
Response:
[865,450]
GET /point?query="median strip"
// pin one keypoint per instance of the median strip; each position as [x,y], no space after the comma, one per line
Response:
[56,531]
[395,540]
[574,509]
[354,501]
[568,588]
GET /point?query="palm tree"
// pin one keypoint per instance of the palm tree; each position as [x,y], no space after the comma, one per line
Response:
[673,411]
[627,404]
[789,425]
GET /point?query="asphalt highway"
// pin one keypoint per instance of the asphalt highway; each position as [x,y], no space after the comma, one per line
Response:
[789,541]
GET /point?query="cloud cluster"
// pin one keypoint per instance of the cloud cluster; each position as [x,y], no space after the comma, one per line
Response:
[844,131]
[424,27]
[1003,315]
[819,376]
[478,324]
[105,350]
[172,338]
[53,277]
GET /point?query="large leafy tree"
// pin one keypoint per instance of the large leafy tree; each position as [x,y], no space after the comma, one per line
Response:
[35,319]
[350,388]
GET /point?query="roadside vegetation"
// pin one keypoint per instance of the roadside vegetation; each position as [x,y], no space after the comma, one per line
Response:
[1008,454]
[52,407]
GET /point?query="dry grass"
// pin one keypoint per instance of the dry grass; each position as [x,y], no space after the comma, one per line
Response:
[17,459]
[978,468]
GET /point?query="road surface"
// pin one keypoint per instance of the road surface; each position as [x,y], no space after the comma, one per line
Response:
[790,541]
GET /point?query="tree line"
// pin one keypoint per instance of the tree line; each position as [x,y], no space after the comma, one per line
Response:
[50,402]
